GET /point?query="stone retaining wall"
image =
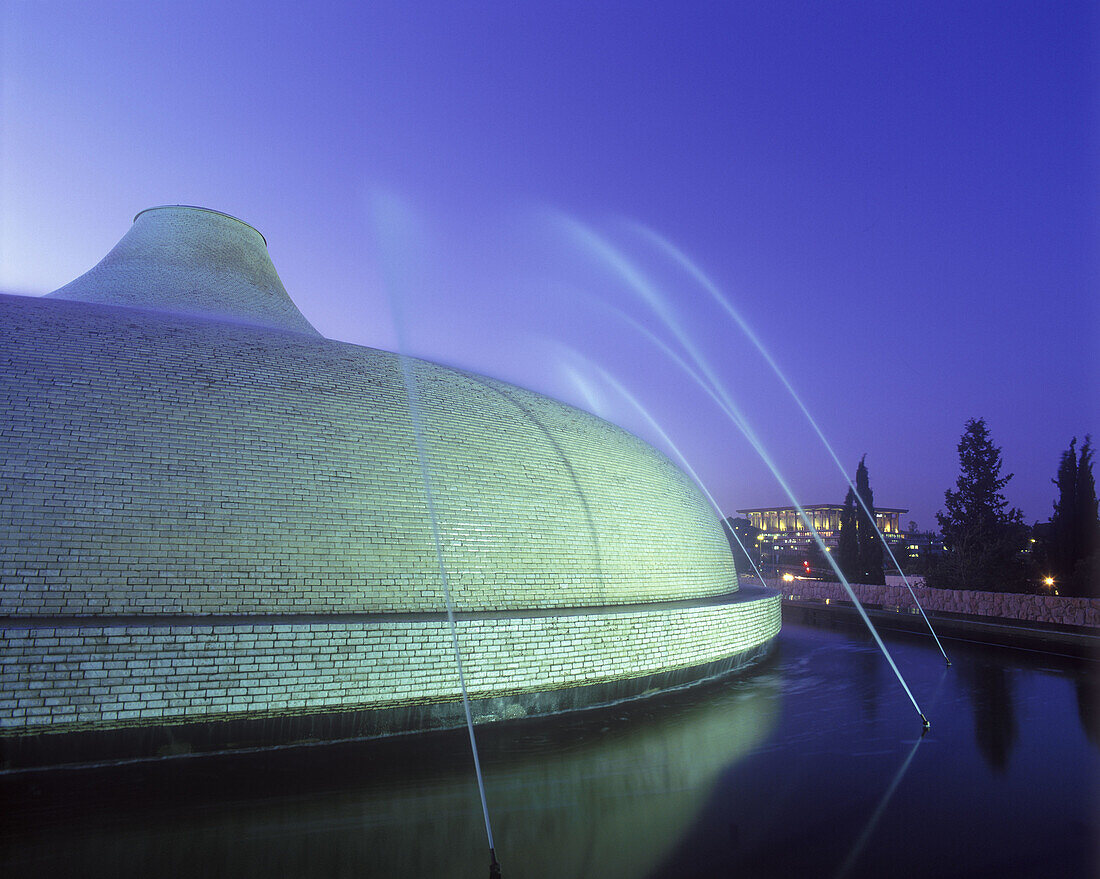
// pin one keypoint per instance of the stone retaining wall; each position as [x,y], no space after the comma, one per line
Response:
[1005,605]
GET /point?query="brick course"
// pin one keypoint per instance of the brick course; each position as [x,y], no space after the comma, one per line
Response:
[94,677]
[155,465]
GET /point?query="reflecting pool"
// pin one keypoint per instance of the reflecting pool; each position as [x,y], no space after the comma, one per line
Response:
[810,764]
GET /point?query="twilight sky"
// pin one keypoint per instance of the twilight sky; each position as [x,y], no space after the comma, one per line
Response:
[901,202]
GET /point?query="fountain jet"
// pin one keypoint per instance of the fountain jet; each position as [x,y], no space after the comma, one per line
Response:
[688,265]
[704,376]
[630,398]
[388,215]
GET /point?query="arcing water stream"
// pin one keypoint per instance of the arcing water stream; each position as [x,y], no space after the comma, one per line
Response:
[678,256]
[705,378]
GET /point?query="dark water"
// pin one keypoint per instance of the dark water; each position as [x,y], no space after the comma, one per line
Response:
[809,765]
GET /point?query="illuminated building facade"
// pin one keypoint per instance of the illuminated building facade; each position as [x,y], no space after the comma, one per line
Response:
[783,530]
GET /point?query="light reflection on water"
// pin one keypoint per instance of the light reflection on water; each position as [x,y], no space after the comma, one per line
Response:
[793,769]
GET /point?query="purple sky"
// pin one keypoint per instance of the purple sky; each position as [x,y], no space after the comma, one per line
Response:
[903,204]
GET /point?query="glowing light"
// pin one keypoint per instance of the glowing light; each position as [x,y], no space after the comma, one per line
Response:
[1048,581]
[788,578]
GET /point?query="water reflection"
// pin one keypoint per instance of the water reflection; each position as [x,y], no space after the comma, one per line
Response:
[991,699]
[872,822]
[1088,707]
[841,788]
[807,766]
[867,667]
[598,794]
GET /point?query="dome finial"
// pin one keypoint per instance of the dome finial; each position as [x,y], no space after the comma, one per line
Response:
[195,261]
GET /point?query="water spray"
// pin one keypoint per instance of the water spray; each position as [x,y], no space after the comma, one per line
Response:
[734,414]
[421,450]
[630,398]
[872,822]
[705,282]
[395,215]
[706,379]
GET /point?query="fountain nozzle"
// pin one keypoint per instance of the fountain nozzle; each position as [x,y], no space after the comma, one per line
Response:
[927,725]
[494,867]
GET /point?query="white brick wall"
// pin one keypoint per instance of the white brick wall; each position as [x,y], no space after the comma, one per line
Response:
[159,465]
[87,678]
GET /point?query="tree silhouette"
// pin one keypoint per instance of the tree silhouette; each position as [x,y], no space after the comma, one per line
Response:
[983,535]
[847,551]
[1073,540]
[1062,539]
[870,544]
[746,533]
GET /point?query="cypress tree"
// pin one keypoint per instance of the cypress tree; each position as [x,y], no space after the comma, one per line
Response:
[1074,531]
[1063,524]
[847,551]
[1087,539]
[870,545]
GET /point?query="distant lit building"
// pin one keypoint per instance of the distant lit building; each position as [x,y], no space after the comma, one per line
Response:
[920,546]
[783,530]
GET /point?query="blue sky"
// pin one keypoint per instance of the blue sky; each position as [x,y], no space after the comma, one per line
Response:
[900,199]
